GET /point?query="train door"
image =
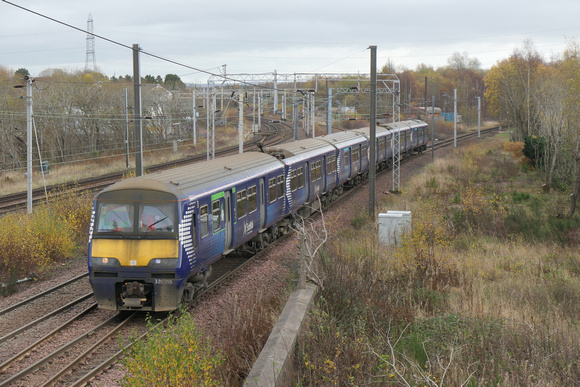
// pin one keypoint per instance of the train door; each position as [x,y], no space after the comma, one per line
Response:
[262,203]
[307,181]
[228,219]
[347,163]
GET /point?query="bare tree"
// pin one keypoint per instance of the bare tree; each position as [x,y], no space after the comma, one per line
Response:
[418,375]
[551,95]
[312,234]
[571,68]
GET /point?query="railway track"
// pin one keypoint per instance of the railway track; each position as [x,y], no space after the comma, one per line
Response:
[85,342]
[17,201]
[462,137]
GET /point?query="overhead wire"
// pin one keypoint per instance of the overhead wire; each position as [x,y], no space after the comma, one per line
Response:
[198,70]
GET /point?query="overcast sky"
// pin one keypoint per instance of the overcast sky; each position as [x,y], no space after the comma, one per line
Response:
[260,36]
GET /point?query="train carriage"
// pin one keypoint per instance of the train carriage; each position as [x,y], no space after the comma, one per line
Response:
[403,132]
[383,146]
[310,172]
[352,148]
[153,238]
[422,130]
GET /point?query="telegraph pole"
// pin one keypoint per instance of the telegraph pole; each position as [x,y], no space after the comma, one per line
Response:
[478,117]
[194,118]
[29,144]
[295,117]
[433,129]
[137,113]
[241,123]
[126,126]
[373,128]
[28,141]
[329,119]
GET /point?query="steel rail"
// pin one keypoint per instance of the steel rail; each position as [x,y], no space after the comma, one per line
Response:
[20,355]
[45,317]
[42,294]
[89,350]
[34,367]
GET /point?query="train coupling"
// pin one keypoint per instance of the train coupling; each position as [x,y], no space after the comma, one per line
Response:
[133,294]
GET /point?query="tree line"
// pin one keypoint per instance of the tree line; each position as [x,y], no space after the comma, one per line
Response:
[541,100]
[80,114]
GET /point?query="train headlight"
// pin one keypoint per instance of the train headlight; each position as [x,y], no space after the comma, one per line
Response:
[163,262]
[109,262]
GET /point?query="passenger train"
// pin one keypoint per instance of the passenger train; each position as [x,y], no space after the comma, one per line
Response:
[154,238]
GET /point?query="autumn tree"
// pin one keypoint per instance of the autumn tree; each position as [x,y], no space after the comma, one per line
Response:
[551,94]
[571,71]
[510,85]
[12,121]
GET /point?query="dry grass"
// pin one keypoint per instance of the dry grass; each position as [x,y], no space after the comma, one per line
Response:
[484,290]
[95,165]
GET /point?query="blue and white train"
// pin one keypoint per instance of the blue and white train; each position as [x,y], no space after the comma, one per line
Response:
[154,238]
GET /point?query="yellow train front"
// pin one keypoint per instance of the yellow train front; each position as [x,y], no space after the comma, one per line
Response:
[134,249]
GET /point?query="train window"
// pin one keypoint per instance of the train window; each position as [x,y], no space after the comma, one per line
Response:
[272,189]
[203,221]
[115,217]
[216,213]
[300,177]
[318,170]
[346,157]
[242,203]
[280,186]
[364,152]
[313,171]
[355,155]
[156,217]
[330,164]
[293,180]
[252,199]
[131,212]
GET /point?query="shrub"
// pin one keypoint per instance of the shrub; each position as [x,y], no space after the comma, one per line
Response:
[52,233]
[173,355]
[29,243]
[534,148]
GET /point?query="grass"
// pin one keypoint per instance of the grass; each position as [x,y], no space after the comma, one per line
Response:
[483,291]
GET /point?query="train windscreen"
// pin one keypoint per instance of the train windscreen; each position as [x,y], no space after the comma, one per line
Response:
[136,213]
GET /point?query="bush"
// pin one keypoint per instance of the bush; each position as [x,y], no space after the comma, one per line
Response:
[173,355]
[534,148]
[52,233]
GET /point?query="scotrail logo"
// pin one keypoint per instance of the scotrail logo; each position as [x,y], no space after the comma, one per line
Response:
[248,227]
